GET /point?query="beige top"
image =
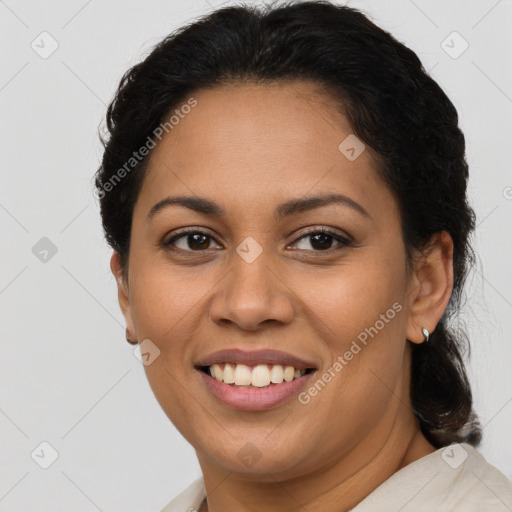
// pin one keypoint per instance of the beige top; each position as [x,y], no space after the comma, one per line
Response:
[455,478]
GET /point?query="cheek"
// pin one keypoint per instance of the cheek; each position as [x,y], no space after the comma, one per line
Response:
[165,309]
[359,313]
[164,301]
[362,298]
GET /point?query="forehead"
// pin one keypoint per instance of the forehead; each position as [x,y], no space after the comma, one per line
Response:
[248,144]
[243,119]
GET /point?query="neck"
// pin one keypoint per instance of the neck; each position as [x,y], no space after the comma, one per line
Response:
[337,488]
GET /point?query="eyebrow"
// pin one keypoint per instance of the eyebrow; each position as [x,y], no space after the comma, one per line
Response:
[289,208]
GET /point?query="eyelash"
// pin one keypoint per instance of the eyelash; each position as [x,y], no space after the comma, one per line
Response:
[344,241]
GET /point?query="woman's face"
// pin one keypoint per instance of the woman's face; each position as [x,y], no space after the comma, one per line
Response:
[261,276]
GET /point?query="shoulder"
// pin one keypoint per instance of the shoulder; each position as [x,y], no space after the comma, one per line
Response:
[189,500]
[481,483]
[456,478]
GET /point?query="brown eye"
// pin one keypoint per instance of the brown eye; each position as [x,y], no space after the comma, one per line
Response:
[193,241]
[322,239]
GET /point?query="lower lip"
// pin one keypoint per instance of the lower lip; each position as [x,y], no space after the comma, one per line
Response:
[254,399]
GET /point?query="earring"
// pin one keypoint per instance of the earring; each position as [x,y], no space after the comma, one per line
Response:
[426,334]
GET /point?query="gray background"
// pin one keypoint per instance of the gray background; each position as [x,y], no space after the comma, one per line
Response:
[67,376]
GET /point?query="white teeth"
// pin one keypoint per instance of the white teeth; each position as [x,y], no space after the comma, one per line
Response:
[289,373]
[242,375]
[229,374]
[276,374]
[260,376]
[218,373]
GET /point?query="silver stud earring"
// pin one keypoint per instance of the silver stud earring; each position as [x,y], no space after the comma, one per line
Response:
[426,334]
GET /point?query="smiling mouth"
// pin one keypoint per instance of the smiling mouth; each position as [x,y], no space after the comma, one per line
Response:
[254,376]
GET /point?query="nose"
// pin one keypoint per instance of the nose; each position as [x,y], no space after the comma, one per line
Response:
[251,295]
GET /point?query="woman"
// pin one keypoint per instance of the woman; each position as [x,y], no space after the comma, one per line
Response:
[285,193]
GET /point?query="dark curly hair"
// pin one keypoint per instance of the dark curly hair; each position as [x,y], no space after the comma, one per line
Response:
[391,103]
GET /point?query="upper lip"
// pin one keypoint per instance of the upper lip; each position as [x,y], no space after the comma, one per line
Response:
[238,356]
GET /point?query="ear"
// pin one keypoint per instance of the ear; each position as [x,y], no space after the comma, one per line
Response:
[431,286]
[123,295]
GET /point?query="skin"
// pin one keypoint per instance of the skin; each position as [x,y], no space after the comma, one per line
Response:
[249,148]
